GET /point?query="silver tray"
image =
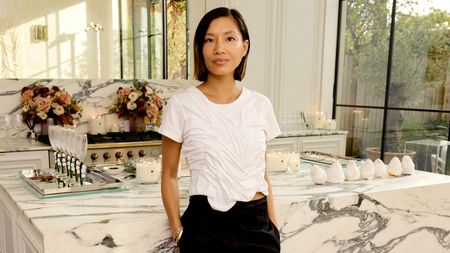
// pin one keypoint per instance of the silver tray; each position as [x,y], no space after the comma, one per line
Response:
[46,183]
[325,158]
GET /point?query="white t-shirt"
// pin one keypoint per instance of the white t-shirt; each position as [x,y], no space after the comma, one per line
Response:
[224,144]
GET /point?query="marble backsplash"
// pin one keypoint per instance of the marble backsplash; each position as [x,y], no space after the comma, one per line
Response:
[95,96]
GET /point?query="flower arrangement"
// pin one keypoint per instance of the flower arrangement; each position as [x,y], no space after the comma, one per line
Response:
[139,101]
[40,103]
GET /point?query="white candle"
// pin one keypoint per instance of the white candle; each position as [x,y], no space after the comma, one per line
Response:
[126,126]
[100,125]
[92,127]
[320,120]
[276,161]
[293,161]
[115,128]
[148,171]
[331,124]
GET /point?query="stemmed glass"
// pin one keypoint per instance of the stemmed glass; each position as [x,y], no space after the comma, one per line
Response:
[72,146]
[55,135]
[51,138]
[57,139]
[80,153]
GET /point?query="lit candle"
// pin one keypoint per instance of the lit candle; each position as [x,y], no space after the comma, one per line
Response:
[331,124]
[92,125]
[148,171]
[115,128]
[100,125]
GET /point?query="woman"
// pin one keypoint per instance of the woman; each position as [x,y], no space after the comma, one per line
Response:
[222,129]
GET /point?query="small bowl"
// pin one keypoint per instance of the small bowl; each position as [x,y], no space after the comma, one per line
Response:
[113,169]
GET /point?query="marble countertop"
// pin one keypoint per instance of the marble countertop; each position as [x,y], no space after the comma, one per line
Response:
[27,144]
[312,132]
[21,144]
[377,215]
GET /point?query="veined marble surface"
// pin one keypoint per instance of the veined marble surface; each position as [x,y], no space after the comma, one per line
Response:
[95,96]
[312,132]
[21,144]
[404,214]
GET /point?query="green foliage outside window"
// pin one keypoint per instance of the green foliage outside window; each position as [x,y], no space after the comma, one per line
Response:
[420,57]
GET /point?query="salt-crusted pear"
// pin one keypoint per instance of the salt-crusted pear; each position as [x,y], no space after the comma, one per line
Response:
[352,172]
[335,174]
[395,167]
[367,170]
[408,167]
[318,175]
[380,168]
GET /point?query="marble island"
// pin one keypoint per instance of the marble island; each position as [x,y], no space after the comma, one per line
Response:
[404,214]
[22,144]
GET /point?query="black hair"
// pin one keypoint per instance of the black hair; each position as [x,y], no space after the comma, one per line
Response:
[200,71]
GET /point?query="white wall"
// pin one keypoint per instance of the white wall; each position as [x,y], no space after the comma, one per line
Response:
[68,47]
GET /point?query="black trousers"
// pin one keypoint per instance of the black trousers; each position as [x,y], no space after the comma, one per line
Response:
[246,227]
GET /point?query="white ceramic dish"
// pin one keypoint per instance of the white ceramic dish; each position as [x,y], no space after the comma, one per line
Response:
[113,169]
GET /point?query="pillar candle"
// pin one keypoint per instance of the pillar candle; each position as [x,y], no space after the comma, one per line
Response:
[276,161]
[100,124]
[293,161]
[92,125]
[115,128]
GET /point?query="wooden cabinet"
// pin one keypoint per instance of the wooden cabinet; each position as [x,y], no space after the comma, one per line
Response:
[11,162]
[17,235]
[333,144]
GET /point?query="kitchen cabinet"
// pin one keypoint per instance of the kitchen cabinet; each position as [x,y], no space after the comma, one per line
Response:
[11,162]
[17,235]
[332,144]
[288,144]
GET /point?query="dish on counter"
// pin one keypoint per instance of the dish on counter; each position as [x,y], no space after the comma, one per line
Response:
[113,169]
[50,183]
[325,158]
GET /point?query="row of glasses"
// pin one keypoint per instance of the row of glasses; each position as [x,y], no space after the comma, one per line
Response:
[70,151]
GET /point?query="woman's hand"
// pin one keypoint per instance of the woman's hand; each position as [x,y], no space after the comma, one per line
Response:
[169,183]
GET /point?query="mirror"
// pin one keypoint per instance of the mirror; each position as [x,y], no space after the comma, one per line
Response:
[92,39]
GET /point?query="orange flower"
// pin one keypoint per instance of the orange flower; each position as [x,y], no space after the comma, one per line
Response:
[63,98]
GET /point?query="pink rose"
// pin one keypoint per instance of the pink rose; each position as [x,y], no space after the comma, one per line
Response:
[153,110]
[26,95]
[158,101]
[42,104]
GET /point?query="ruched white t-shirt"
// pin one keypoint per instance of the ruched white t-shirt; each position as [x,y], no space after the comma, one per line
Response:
[224,144]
